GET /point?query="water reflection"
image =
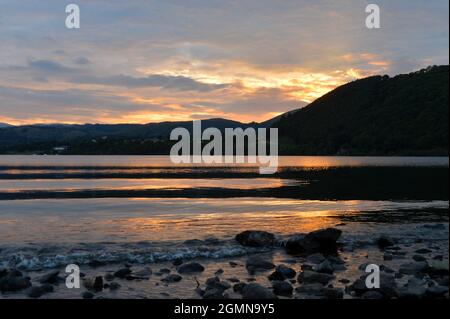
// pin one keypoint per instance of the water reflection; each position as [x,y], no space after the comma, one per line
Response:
[130,220]
[140,184]
[164,161]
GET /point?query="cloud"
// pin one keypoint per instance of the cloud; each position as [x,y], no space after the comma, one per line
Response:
[82,61]
[178,83]
[47,66]
[139,60]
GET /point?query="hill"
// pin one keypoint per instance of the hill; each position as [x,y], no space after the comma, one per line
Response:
[403,115]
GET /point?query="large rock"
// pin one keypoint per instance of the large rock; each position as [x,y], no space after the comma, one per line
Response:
[309,277]
[282,288]
[255,238]
[324,267]
[216,283]
[257,262]
[35,292]
[314,288]
[50,277]
[256,291]
[332,293]
[388,286]
[414,289]
[323,240]
[190,268]
[286,271]
[3,272]
[436,291]
[384,242]
[14,282]
[172,278]
[438,268]
[213,293]
[143,273]
[316,258]
[94,284]
[122,273]
[413,268]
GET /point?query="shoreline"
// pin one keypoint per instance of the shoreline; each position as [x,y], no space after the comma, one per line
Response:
[409,269]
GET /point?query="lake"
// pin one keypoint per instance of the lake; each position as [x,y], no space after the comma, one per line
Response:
[120,202]
[144,210]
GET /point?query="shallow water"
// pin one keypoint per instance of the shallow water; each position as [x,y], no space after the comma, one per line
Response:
[164,161]
[49,228]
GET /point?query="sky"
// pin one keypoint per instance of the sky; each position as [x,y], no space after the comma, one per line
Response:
[141,61]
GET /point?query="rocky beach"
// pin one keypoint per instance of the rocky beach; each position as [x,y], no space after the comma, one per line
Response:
[323,264]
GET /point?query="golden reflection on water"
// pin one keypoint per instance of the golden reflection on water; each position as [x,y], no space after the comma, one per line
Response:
[223,225]
[141,184]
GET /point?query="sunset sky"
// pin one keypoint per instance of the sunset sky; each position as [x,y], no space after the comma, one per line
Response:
[149,61]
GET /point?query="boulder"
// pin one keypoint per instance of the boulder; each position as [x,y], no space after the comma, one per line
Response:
[143,273]
[256,291]
[122,273]
[419,258]
[213,293]
[216,283]
[190,268]
[282,288]
[14,281]
[276,276]
[257,262]
[239,286]
[309,276]
[436,291]
[332,293]
[177,262]
[324,267]
[314,289]
[94,284]
[423,251]
[114,286]
[286,271]
[50,277]
[315,258]
[47,288]
[414,289]
[3,272]
[438,268]
[413,268]
[255,238]
[35,292]
[172,278]
[384,241]
[388,286]
[323,240]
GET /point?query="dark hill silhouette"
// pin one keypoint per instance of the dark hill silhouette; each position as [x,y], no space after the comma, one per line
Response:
[403,115]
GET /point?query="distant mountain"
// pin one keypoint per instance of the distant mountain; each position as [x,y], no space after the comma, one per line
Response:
[149,138]
[404,115]
[4,125]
